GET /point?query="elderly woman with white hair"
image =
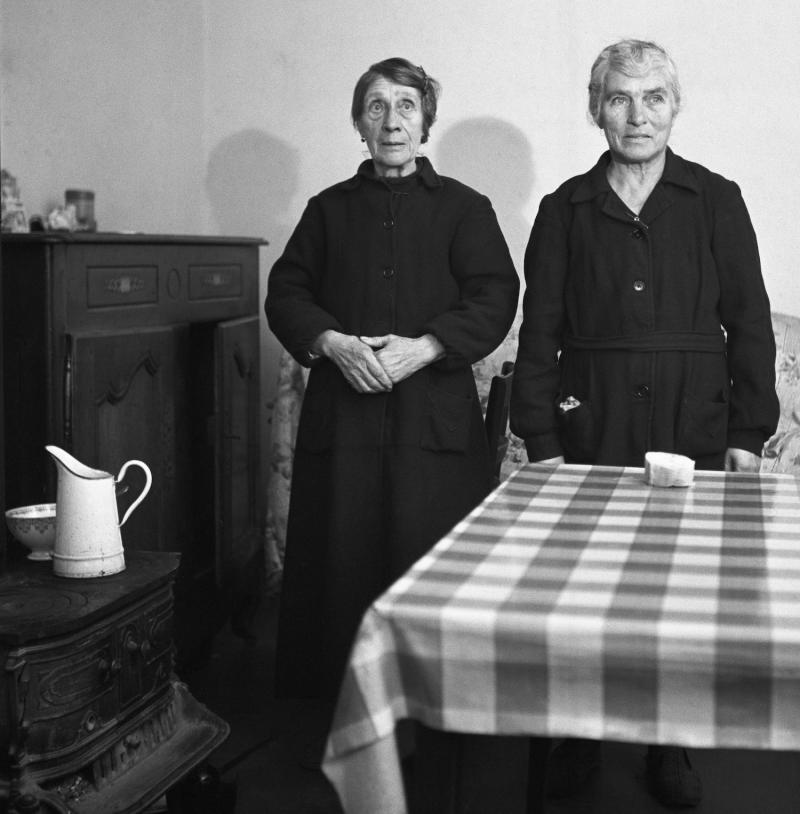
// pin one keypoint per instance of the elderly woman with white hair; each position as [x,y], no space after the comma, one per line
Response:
[646,326]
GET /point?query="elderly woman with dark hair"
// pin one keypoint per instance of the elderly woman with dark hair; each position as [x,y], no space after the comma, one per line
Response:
[393,284]
[646,323]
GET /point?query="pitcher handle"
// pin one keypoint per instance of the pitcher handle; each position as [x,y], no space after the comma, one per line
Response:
[144,492]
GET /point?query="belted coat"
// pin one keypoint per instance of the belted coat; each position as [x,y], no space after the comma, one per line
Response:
[379,478]
[659,324]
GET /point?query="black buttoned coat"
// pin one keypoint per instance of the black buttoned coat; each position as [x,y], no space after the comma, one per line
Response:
[659,325]
[378,478]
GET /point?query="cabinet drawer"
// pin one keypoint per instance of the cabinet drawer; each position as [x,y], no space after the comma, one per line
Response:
[115,286]
[220,281]
[126,285]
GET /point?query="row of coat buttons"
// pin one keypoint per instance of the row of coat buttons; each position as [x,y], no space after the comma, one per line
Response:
[638,285]
[642,391]
[388,272]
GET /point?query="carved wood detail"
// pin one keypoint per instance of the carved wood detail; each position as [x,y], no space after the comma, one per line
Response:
[117,391]
[244,362]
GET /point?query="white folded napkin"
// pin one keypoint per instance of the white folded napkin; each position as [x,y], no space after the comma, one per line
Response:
[668,469]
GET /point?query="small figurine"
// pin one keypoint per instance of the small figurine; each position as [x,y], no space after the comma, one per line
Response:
[62,219]
[13,212]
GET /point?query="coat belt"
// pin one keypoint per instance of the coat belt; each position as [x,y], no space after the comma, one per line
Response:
[654,341]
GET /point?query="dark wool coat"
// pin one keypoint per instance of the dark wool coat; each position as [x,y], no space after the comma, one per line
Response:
[636,308]
[379,478]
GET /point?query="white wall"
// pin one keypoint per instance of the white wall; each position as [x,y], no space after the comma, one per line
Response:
[512,118]
[106,95]
[202,116]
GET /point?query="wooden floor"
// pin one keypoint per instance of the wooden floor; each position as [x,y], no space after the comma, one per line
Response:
[266,755]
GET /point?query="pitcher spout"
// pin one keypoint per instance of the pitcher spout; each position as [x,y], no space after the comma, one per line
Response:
[71,464]
[88,542]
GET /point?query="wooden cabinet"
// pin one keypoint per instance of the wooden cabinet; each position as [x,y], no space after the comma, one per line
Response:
[144,347]
[3,530]
[92,717]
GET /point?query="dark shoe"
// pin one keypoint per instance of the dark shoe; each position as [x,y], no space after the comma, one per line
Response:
[671,778]
[570,767]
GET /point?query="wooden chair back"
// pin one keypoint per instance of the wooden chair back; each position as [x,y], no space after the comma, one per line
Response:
[496,419]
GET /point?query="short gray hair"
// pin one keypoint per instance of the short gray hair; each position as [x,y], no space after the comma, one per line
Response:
[631,58]
[401,72]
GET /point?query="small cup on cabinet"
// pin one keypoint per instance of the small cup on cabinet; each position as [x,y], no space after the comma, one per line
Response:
[83,201]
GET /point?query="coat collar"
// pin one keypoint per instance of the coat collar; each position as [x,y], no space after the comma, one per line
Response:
[595,182]
[426,173]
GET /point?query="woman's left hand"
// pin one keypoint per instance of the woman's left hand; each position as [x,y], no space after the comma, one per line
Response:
[402,356]
[740,460]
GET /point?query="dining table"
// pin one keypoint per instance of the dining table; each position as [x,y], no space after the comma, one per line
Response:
[581,601]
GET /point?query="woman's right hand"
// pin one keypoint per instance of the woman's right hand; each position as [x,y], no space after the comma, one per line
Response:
[355,359]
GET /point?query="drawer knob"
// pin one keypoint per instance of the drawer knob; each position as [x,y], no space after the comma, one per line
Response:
[109,667]
[134,647]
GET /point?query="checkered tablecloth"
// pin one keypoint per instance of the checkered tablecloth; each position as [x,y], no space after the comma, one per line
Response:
[580,601]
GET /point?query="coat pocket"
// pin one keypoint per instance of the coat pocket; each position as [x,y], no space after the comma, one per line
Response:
[315,430]
[446,421]
[702,427]
[578,433]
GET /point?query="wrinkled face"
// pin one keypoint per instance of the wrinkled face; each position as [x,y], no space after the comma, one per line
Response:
[636,115]
[391,125]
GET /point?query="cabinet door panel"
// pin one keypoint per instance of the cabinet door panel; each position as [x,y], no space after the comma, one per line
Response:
[118,348]
[237,398]
[128,400]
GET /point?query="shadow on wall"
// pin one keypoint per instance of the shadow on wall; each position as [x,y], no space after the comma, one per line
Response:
[251,179]
[495,158]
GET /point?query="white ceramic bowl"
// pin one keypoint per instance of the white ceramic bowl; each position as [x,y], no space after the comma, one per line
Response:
[35,528]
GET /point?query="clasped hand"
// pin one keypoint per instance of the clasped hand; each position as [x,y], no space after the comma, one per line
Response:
[740,460]
[374,364]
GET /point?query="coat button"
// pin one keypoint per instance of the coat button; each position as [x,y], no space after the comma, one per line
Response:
[388,272]
[637,234]
[388,223]
[638,285]
[642,391]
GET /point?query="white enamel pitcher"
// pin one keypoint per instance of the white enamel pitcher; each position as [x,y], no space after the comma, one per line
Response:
[88,540]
